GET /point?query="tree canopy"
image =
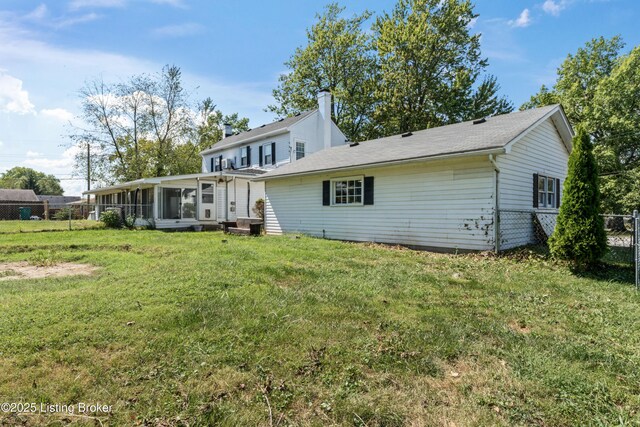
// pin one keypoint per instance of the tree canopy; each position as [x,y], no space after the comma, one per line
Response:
[416,67]
[146,126]
[30,179]
[599,88]
[339,57]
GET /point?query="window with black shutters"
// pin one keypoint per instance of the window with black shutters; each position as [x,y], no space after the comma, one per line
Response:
[243,156]
[268,154]
[546,192]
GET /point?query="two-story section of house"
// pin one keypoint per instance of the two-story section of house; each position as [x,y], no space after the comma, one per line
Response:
[225,189]
[272,145]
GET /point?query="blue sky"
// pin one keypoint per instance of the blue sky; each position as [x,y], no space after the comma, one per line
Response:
[233,51]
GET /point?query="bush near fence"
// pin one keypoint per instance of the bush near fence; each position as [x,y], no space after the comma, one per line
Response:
[529,227]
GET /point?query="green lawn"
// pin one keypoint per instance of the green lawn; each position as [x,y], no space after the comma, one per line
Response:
[201,328]
[33,226]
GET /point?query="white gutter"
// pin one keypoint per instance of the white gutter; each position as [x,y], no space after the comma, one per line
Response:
[496,151]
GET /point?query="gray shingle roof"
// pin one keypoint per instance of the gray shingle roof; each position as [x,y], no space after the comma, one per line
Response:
[57,202]
[10,195]
[281,124]
[495,133]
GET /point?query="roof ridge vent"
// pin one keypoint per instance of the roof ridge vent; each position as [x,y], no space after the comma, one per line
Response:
[479,121]
[404,135]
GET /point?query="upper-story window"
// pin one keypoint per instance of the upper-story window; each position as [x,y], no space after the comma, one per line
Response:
[217,163]
[268,154]
[299,150]
[244,158]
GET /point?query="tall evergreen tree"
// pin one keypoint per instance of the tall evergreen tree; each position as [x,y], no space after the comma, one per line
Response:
[579,236]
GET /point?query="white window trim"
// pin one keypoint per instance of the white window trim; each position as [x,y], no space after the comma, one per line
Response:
[295,148]
[264,154]
[545,205]
[244,157]
[347,178]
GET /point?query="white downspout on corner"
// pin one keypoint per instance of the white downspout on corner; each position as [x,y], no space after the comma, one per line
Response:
[496,207]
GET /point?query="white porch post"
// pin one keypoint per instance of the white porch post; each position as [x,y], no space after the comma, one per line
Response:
[156,202]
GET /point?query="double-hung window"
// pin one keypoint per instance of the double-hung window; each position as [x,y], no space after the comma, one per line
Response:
[243,157]
[346,191]
[547,192]
[268,154]
[299,150]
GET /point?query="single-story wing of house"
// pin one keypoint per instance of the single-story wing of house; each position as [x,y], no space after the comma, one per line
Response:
[442,188]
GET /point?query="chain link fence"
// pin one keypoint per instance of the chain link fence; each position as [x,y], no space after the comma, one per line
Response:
[529,227]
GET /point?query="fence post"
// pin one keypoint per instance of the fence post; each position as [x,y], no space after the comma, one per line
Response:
[46,209]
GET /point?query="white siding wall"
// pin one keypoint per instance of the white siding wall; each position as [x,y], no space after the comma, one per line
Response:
[541,151]
[282,153]
[444,204]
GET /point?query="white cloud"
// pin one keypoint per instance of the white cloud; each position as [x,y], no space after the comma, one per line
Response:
[553,7]
[58,114]
[67,22]
[524,20]
[1,143]
[180,30]
[61,167]
[174,3]
[32,154]
[79,4]
[14,99]
[38,13]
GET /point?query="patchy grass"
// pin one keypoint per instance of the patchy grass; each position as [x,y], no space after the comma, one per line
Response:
[46,225]
[201,329]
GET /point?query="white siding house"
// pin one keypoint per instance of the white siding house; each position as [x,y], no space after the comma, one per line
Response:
[225,189]
[433,189]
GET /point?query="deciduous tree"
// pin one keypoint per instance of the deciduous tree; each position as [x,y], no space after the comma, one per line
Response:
[339,56]
[30,179]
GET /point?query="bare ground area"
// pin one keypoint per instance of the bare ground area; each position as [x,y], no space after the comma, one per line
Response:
[24,270]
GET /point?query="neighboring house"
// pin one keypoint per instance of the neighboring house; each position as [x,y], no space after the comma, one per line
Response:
[12,200]
[440,188]
[10,195]
[225,190]
[57,203]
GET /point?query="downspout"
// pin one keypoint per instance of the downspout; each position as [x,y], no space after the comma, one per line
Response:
[496,208]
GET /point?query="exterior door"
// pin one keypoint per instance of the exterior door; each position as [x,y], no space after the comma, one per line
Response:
[207,201]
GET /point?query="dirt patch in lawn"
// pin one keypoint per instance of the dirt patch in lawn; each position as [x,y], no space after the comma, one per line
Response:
[24,270]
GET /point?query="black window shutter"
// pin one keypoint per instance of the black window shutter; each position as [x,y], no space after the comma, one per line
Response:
[326,193]
[220,163]
[368,190]
[273,153]
[213,166]
[558,192]
[260,160]
[535,190]
[248,156]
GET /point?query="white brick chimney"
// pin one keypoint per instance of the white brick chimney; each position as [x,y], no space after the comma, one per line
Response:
[324,106]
